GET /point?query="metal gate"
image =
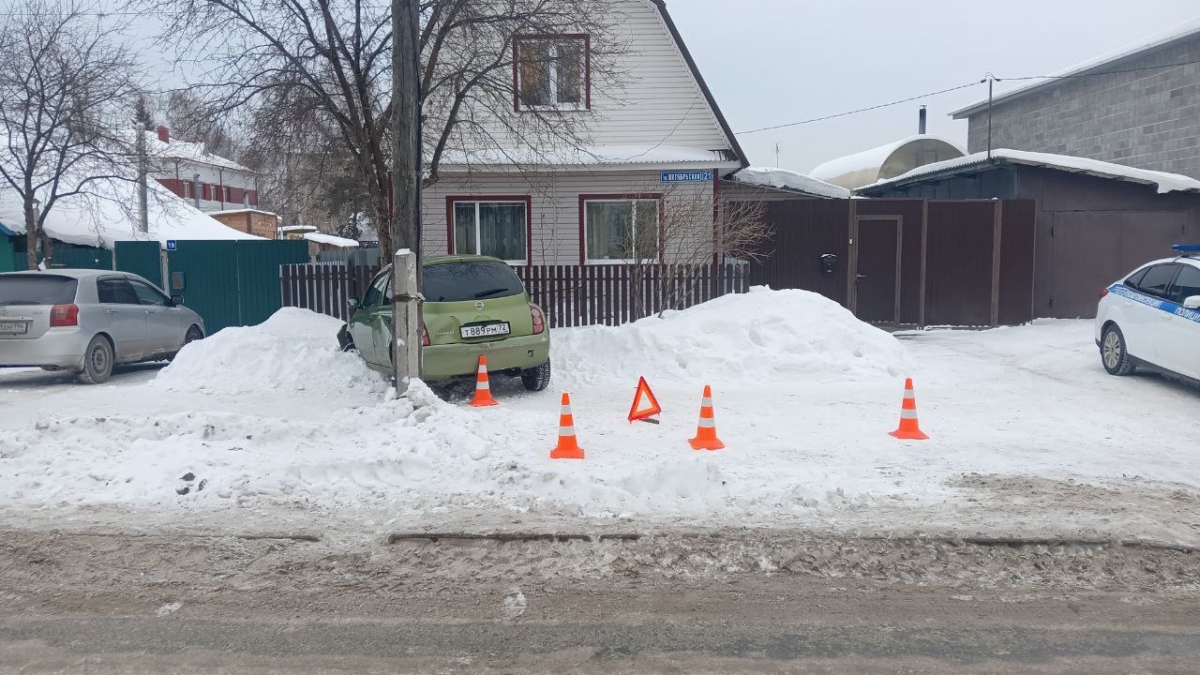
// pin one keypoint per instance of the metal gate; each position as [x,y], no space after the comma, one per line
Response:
[143,258]
[877,249]
[231,283]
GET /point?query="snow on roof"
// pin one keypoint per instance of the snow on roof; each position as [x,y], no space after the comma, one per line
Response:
[298,228]
[782,179]
[873,158]
[330,240]
[109,214]
[227,212]
[599,155]
[186,150]
[1181,32]
[1164,182]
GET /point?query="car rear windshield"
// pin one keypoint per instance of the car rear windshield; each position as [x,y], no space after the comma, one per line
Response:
[470,280]
[36,289]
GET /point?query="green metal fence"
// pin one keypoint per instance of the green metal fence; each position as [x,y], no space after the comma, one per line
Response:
[143,258]
[231,283]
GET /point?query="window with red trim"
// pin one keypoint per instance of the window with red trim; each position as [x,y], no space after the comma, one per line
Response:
[621,230]
[552,72]
[493,228]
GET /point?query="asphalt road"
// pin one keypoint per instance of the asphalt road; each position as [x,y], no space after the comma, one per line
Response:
[111,604]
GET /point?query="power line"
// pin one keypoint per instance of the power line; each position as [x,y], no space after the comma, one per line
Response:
[862,110]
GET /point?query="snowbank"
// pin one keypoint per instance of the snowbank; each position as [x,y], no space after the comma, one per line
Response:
[762,336]
[295,349]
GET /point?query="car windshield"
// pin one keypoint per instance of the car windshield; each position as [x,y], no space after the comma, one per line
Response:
[36,289]
[470,280]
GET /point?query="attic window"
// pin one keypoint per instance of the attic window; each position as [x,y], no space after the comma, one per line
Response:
[552,72]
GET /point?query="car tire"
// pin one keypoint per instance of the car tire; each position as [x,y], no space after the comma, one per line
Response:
[349,348]
[1113,352]
[97,361]
[193,334]
[536,379]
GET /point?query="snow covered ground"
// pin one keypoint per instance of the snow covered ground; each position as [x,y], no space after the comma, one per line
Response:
[270,426]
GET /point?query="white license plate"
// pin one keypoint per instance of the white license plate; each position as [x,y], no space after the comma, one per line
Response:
[14,327]
[488,330]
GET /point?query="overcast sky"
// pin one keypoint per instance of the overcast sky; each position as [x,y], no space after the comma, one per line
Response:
[772,62]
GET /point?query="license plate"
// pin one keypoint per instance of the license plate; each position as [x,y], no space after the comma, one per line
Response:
[486,330]
[14,327]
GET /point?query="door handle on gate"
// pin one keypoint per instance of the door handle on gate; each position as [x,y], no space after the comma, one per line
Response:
[860,277]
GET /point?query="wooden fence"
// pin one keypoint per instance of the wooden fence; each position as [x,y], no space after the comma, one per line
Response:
[571,295]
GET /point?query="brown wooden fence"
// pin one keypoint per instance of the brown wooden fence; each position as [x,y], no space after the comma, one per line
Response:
[571,295]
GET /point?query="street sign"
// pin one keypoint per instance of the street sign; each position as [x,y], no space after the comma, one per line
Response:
[698,176]
[170,244]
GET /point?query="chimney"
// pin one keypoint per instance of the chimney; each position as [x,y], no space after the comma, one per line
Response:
[164,134]
[920,123]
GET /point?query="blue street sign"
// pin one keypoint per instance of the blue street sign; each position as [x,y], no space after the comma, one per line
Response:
[698,176]
[170,244]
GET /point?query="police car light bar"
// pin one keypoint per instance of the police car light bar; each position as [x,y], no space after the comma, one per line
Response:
[1186,248]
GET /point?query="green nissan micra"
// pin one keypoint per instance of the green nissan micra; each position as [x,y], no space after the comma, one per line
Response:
[474,306]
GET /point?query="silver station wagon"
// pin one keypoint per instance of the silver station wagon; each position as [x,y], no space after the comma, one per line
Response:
[87,321]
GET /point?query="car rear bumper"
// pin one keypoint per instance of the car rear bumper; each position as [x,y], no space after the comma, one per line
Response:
[443,362]
[58,347]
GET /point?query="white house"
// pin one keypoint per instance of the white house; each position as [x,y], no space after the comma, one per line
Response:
[211,182]
[657,141]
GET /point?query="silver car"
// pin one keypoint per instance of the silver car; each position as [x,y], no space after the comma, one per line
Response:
[87,321]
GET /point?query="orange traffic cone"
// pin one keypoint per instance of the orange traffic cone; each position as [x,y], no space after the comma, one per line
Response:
[909,429]
[483,390]
[706,432]
[568,447]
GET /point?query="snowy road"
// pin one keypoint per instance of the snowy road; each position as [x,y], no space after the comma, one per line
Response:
[1029,436]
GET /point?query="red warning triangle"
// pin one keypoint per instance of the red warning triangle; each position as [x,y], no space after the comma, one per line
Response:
[645,405]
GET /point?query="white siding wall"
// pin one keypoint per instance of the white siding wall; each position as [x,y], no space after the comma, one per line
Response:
[555,208]
[656,101]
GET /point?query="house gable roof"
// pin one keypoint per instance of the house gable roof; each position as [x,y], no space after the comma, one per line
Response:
[661,6]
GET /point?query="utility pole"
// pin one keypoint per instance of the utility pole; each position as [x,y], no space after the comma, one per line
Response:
[143,170]
[406,186]
[991,80]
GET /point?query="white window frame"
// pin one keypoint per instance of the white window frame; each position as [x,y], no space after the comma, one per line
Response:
[477,203]
[658,252]
[584,75]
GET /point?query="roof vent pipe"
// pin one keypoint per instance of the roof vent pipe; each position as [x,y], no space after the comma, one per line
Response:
[921,121]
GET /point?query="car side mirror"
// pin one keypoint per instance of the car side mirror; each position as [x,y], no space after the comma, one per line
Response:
[353,303]
[1192,302]
[176,300]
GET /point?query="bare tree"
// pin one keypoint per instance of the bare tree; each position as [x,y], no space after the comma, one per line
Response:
[66,88]
[329,62]
[686,230]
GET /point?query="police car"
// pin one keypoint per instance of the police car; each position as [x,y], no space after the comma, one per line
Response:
[1151,318]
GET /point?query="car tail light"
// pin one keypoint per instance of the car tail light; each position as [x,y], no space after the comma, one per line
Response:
[64,315]
[424,336]
[1103,294]
[539,321]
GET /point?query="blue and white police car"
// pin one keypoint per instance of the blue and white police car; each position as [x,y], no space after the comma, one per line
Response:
[1151,318]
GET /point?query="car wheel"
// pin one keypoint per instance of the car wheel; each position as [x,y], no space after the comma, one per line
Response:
[193,334]
[349,348]
[537,379]
[1113,352]
[97,361]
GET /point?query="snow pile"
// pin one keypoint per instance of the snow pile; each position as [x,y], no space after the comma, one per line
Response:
[762,336]
[294,350]
[331,240]
[783,179]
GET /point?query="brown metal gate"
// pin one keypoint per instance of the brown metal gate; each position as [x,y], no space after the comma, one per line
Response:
[907,261]
[876,288]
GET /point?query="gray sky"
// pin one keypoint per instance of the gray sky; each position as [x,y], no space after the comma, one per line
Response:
[776,61]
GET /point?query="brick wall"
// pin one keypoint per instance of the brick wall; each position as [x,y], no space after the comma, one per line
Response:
[1149,119]
[251,222]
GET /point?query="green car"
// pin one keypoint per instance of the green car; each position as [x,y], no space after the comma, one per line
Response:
[474,306]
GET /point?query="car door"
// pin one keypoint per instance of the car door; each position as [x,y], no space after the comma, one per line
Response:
[362,322]
[381,327]
[125,320]
[1180,343]
[1143,311]
[164,321]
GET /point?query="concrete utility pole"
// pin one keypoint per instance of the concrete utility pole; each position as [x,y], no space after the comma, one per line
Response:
[406,186]
[143,170]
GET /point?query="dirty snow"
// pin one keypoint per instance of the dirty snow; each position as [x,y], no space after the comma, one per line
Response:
[272,424]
